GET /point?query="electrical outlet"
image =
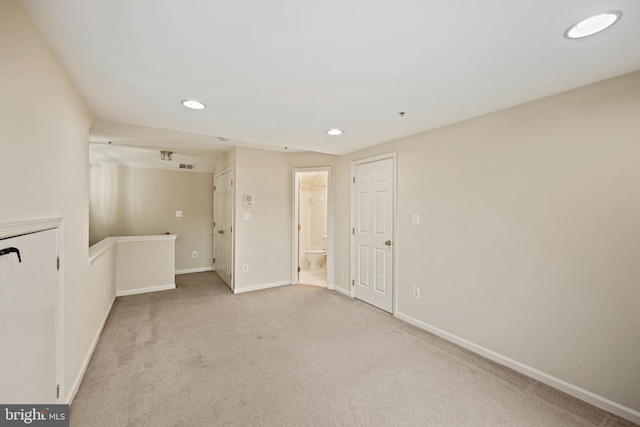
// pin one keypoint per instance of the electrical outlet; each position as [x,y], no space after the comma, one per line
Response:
[178,214]
[245,268]
[342,274]
[247,216]
[194,254]
[416,292]
[416,219]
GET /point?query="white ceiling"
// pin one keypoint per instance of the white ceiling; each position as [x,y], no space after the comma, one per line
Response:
[280,73]
[143,157]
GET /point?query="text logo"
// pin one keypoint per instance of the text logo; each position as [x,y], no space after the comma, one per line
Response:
[35,415]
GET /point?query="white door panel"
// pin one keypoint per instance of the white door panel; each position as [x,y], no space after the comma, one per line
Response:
[373,233]
[28,318]
[223,229]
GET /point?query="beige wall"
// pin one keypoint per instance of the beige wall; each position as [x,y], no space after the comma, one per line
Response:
[264,243]
[127,201]
[133,265]
[225,161]
[530,238]
[44,132]
[145,264]
[312,160]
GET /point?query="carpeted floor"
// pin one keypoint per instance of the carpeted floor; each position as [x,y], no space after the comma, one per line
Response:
[297,356]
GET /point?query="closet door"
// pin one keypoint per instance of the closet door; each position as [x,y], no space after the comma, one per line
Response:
[223,199]
[28,318]
[373,234]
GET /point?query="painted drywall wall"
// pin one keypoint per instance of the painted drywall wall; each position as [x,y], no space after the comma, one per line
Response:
[225,161]
[102,266]
[44,133]
[154,271]
[127,201]
[529,243]
[264,243]
[312,160]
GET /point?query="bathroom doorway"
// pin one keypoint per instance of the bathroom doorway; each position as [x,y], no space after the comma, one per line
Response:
[311,226]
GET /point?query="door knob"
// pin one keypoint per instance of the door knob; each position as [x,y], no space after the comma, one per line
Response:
[388,243]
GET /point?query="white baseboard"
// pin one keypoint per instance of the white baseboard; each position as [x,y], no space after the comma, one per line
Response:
[573,390]
[145,290]
[194,270]
[260,287]
[342,291]
[85,363]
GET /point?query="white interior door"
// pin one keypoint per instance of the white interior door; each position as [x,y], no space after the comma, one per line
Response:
[28,318]
[223,225]
[373,233]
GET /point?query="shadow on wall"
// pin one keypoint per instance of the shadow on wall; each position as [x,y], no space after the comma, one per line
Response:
[103,182]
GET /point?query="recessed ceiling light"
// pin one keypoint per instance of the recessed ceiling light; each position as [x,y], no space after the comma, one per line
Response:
[592,25]
[334,132]
[193,104]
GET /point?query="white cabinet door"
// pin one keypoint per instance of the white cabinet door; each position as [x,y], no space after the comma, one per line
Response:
[373,233]
[28,317]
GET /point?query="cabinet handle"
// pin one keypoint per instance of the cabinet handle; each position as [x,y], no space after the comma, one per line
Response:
[7,251]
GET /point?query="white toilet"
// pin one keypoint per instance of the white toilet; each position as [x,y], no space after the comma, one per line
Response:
[316,257]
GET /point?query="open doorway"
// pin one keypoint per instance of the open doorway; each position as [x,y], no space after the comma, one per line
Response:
[311,236]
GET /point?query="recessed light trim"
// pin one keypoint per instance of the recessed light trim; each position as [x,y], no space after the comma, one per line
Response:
[592,25]
[334,132]
[194,104]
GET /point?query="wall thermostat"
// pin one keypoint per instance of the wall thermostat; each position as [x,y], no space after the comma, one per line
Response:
[248,200]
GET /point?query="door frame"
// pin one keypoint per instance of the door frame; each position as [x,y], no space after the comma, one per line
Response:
[15,229]
[295,278]
[394,235]
[232,279]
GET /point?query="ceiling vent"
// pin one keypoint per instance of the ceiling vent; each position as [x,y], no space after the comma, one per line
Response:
[187,166]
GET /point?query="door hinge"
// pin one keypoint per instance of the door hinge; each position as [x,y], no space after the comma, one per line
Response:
[58,263]
[214,188]
[354,179]
[58,392]
[299,227]
[353,231]
[230,229]
[214,224]
[353,282]
[232,183]
[214,260]
[298,269]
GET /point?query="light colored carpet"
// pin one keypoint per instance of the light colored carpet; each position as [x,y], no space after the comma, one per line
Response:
[296,356]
